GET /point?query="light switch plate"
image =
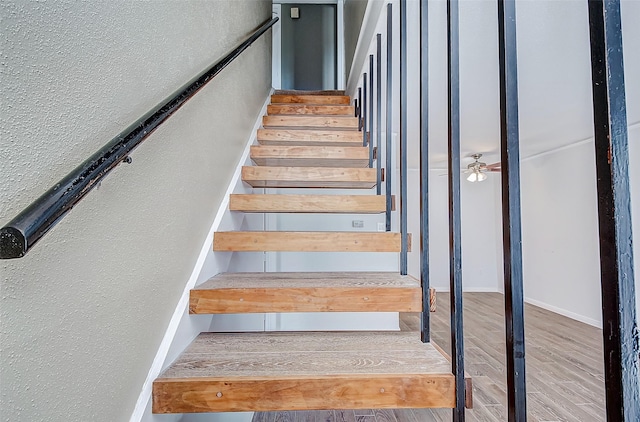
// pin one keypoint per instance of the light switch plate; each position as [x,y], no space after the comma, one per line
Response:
[295,13]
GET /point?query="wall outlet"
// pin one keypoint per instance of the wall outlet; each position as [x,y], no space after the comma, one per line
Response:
[357,224]
[381,227]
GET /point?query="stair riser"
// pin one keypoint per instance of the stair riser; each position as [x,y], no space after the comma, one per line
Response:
[230,301]
[304,393]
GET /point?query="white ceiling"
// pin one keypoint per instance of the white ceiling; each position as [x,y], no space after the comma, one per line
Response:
[554,76]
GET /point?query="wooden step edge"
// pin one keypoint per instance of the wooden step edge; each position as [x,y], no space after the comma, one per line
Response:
[318,123]
[324,110]
[309,241]
[281,203]
[468,383]
[329,92]
[310,99]
[305,299]
[351,391]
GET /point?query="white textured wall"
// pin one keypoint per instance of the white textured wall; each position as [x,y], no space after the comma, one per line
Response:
[83,313]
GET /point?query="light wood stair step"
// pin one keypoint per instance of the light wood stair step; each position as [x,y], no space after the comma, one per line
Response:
[338,92]
[347,138]
[231,293]
[310,99]
[312,156]
[356,204]
[306,109]
[309,177]
[309,121]
[280,241]
[305,371]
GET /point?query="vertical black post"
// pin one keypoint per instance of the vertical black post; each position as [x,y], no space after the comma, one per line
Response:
[619,322]
[359,108]
[364,109]
[355,108]
[389,111]
[371,110]
[403,137]
[424,170]
[455,247]
[511,218]
[379,112]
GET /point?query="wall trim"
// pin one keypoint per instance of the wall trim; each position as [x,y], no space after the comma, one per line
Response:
[172,328]
[468,290]
[564,312]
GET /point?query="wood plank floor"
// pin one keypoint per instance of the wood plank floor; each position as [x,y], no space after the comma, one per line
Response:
[565,380]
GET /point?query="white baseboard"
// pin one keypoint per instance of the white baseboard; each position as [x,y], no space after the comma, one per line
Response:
[142,408]
[218,417]
[564,312]
[469,289]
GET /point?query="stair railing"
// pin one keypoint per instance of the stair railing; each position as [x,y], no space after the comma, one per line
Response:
[454,165]
[30,225]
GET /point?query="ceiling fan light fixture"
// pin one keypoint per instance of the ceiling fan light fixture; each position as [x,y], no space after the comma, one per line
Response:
[475,170]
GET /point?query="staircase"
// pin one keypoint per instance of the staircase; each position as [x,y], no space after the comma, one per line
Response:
[308,141]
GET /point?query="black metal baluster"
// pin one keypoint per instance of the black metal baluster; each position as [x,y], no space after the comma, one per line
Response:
[370,133]
[511,217]
[455,247]
[379,112]
[424,171]
[364,109]
[359,108]
[620,330]
[389,112]
[403,137]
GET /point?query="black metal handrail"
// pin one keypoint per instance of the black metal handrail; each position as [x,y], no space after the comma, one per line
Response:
[24,231]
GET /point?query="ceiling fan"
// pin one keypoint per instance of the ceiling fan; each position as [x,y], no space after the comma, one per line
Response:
[476,170]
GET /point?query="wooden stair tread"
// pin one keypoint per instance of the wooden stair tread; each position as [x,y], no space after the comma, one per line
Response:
[334,92]
[306,292]
[309,137]
[310,121]
[280,241]
[302,371]
[296,279]
[357,204]
[309,177]
[312,156]
[310,109]
[310,99]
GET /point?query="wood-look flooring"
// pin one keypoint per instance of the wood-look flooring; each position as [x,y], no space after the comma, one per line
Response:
[565,380]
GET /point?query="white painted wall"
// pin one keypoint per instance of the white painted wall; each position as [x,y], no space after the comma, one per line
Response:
[560,233]
[84,313]
[560,239]
[481,271]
